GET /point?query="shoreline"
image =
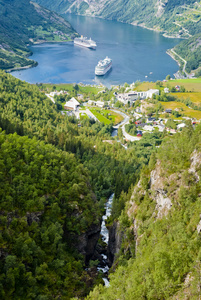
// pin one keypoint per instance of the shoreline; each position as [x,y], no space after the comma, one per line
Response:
[22,68]
[134,23]
[168,51]
[35,63]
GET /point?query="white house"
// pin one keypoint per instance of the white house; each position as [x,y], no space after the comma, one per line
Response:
[148,128]
[72,104]
[133,96]
[100,103]
[166,90]
[181,125]
[91,102]
[152,92]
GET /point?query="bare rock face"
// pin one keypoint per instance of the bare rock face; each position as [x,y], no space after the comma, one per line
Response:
[195,164]
[160,5]
[33,217]
[199,227]
[156,180]
[114,244]
[163,203]
[86,242]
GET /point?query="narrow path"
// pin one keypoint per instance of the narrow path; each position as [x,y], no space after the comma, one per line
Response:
[51,98]
[122,125]
[185,62]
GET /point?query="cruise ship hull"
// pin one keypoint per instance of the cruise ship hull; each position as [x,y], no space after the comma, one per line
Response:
[84,42]
[104,71]
[85,45]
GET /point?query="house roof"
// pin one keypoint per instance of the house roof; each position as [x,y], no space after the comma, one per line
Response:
[72,102]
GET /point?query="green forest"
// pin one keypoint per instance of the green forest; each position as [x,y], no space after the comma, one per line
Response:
[190,50]
[56,176]
[22,23]
[160,255]
[55,179]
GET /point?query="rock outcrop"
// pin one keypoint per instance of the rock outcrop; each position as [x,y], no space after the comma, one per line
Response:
[87,241]
[195,164]
[114,244]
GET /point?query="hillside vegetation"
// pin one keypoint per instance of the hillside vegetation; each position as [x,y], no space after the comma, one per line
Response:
[55,179]
[160,255]
[23,22]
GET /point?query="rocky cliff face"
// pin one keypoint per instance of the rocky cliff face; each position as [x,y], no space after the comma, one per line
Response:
[87,241]
[114,243]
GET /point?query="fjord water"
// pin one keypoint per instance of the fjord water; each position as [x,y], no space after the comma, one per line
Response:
[136,52]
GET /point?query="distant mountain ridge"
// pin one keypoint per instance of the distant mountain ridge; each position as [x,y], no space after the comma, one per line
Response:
[161,15]
[23,22]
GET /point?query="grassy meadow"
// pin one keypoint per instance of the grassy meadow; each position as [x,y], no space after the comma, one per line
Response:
[187,111]
[191,85]
[106,116]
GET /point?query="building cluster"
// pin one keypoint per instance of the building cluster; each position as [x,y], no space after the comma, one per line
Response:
[58,93]
[96,103]
[149,124]
[132,96]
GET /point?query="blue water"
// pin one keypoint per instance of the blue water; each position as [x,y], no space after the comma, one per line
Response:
[135,53]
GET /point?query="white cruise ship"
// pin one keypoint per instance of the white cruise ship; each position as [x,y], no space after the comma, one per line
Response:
[84,42]
[103,66]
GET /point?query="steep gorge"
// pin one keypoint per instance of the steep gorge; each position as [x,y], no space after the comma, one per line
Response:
[159,256]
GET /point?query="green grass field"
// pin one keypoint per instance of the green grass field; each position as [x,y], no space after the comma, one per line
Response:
[186,110]
[191,85]
[106,116]
[194,97]
[100,117]
[83,116]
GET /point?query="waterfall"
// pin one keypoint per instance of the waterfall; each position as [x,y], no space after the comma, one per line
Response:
[105,236]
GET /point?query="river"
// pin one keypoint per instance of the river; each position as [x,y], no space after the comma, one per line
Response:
[105,237]
[136,52]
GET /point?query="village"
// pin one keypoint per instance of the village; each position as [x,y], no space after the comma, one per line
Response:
[138,111]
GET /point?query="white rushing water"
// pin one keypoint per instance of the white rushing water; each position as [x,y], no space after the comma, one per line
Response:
[105,236]
[104,230]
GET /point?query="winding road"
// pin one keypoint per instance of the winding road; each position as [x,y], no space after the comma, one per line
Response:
[122,125]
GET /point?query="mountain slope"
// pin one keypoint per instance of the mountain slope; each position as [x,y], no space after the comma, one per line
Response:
[55,179]
[174,18]
[160,255]
[23,22]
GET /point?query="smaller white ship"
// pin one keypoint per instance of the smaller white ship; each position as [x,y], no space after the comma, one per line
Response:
[103,66]
[84,42]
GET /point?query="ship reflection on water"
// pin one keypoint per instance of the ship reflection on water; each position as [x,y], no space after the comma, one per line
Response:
[103,78]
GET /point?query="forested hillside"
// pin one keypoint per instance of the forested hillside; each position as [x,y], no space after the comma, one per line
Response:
[190,50]
[160,255]
[46,203]
[55,179]
[161,15]
[23,22]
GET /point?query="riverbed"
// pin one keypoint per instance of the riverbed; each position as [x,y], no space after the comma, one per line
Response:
[137,54]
